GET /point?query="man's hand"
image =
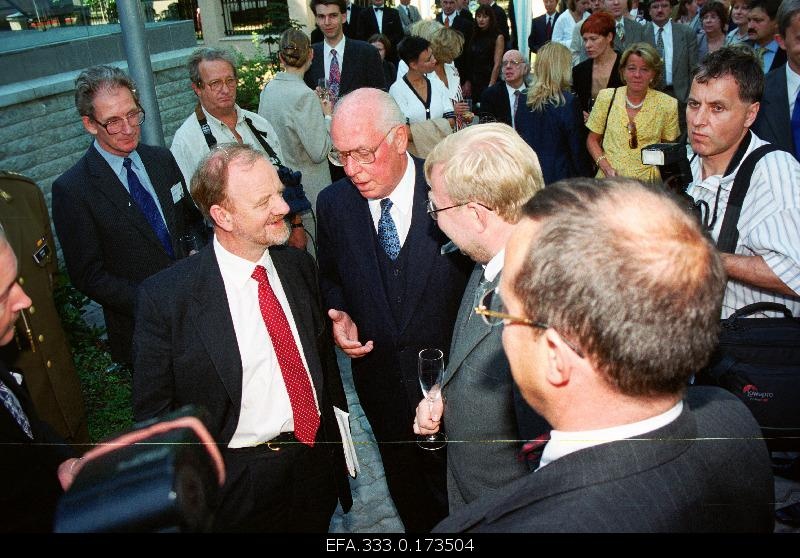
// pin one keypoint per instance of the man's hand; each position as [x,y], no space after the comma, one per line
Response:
[429,415]
[345,334]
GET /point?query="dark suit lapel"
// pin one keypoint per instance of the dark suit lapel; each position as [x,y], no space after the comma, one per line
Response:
[470,329]
[107,184]
[424,248]
[211,317]
[293,286]
[505,102]
[775,104]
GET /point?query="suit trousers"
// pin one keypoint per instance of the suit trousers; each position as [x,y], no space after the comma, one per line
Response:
[277,488]
[416,479]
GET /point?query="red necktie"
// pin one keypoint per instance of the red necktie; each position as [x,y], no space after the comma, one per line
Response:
[301,396]
[531,452]
[549,30]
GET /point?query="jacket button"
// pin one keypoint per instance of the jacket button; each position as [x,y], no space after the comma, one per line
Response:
[31,310]
[49,364]
[41,338]
[21,281]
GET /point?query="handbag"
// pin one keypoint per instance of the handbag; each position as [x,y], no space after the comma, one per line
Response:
[758,359]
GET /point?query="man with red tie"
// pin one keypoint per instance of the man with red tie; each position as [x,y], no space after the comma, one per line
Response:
[237,329]
[542,26]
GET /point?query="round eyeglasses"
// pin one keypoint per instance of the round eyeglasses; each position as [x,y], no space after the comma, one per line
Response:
[116,125]
[362,156]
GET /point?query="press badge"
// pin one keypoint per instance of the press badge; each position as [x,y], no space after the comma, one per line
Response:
[177,192]
[42,254]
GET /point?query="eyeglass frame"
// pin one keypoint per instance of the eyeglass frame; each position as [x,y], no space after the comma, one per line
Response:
[115,119]
[212,85]
[430,207]
[633,139]
[342,156]
[509,319]
[514,63]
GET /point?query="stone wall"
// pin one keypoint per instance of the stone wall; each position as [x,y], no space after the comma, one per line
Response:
[41,134]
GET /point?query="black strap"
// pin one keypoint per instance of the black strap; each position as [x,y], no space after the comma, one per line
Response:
[760,307]
[729,232]
[204,127]
[212,141]
[262,139]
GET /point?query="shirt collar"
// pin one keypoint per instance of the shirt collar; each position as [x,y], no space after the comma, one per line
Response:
[512,89]
[792,82]
[239,115]
[403,194]
[115,161]
[667,26]
[495,266]
[563,443]
[338,46]
[238,271]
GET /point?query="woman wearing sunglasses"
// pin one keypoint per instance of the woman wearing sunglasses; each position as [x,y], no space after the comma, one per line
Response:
[626,119]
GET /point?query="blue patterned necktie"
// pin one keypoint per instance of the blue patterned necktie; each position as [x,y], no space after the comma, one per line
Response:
[13,406]
[796,126]
[387,232]
[148,207]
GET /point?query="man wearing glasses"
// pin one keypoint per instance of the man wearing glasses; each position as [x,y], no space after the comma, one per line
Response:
[611,295]
[480,178]
[501,99]
[388,289]
[121,210]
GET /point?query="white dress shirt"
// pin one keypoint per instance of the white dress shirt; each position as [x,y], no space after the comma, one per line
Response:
[339,55]
[495,266]
[511,96]
[265,410]
[378,18]
[402,203]
[563,443]
[666,36]
[792,87]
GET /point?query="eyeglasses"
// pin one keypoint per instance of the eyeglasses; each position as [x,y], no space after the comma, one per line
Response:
[433,210]
[491,299]
[216,85]
[514,63]
[362,156]
[116,125]
[633,141]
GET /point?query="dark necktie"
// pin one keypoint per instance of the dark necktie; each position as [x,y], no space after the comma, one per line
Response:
[549,27]
[796,126]
[447,21]
[148,207]
[13,406]
[334,77]
[660,42]
[301,395]
[517,94]
[387,232]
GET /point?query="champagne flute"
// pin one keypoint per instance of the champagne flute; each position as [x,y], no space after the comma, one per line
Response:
[322,89]
[431,371]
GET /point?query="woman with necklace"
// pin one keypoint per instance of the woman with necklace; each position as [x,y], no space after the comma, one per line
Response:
[714,18]
[601,69]
[626,119]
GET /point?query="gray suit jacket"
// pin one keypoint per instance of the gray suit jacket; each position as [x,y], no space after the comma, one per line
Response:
[773,123]
[407,20]
[684,57]
[706,471]
[482,413]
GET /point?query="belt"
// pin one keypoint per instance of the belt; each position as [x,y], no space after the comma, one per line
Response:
[282,439]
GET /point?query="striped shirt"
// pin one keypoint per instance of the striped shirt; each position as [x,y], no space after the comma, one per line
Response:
[769,225]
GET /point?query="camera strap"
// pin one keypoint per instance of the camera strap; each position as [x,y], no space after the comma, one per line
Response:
[211,141]
[262,139]
[204,127]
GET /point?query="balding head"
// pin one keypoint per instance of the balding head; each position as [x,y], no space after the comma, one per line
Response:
[369,122]
[626,274]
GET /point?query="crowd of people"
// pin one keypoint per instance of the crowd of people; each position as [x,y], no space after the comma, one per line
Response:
[501,215]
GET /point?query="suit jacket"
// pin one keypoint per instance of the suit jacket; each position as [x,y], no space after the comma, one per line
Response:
[464,24]
[29,467]
[386,378]
[538,36]
[494,100]
[556,135]
[482,406]
[634,33]
[684,57]
[361,67]
[392,26]
[185,349]
[773,123]
[407,19]
[109,246]
[582,81]
[707,471]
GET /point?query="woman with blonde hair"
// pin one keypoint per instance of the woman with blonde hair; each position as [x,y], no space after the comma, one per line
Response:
[425,28]
[300,118]
[446,46]
[626,119]
[550,121]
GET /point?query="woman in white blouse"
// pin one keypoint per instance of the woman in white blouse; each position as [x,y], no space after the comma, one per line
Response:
[565,24]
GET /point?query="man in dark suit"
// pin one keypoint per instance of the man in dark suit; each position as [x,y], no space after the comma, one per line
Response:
[776,122]
[481,405]
[348,27]
[32,453]
[121,210]
[358,63]
[630,450]
[389,290]
[237,329]
[679,45]
[499,99]
[762,27]
[542,26]
[390,24]
[449,17]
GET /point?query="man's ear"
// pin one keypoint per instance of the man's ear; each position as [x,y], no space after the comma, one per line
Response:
[90,125]
[559,358]
[221,217]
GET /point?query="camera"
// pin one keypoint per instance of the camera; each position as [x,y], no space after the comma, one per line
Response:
[293,193]
[672,162]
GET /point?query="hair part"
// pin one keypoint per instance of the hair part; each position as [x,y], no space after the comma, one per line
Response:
[740,63]
[552,76]
[95,79]
[207,54]
[619,268]
[490,164]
